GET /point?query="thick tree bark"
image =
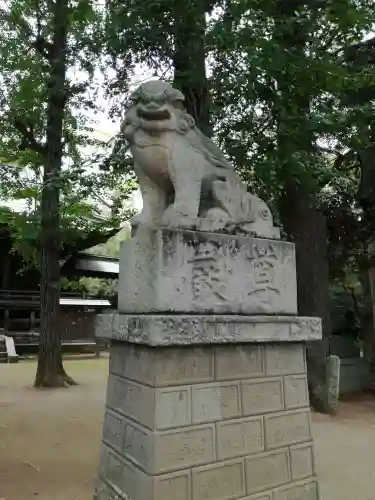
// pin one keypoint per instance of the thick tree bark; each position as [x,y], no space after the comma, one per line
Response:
[50,372]
[190,61]
[307,229]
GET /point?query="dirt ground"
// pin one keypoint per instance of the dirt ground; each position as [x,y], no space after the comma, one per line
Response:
[49,440]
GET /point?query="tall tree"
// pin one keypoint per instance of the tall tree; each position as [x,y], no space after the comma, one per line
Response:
[168,36]
[290,77]
[48,53]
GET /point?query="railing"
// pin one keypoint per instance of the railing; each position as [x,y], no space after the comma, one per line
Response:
[26,299]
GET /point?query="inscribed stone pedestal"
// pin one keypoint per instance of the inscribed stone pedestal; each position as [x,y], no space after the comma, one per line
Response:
[168,270]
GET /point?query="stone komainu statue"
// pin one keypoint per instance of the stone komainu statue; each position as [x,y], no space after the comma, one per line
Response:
[184,178]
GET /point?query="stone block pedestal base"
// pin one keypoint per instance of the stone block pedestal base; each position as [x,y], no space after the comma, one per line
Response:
[212,422]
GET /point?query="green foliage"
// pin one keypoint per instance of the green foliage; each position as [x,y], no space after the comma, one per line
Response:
[86,189]
[279,93]
[279,79]
[101,288]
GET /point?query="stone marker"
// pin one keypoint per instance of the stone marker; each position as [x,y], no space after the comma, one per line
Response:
[207,393]
[333,382]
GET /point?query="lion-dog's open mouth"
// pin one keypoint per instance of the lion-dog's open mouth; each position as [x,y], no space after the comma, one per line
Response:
[154,114]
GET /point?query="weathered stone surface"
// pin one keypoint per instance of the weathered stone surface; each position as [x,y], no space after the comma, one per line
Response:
[172,407]
[195,272]
[262,396]
[224,421]
[184,178]
[238,361]
[287,428]
[333,382]
[175,486]
[138,445]
[104,492]
[296,391]
[302,461]
[222,481]
[176,366]
[120,475]
[124,476]
[159,367]
[153,408]
[184,448]
[113,429]
[267,470]
[298,491]
[262,496]
[282,359]
[239,437]
[160,451]
[131,399]
[163,330]
[217,401]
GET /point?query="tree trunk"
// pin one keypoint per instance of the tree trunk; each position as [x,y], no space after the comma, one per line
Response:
[50,372]
[190,61]
[307,229]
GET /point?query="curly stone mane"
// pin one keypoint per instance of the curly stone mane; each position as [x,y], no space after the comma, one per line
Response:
[172,96]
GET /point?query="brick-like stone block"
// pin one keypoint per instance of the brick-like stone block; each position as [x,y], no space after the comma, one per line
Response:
[113,429]
[224,481]
[238,362]
[112,468]
[138,445]
[218,401]
[184,448]
[175,486]
[308,490]
[290,427]
[134,362]
[154,408]
[239,437]
[160,366]
[179,365]
[302,461]
[296,391]
[172,407]
[262,396]
[160,451]
[126,477]
[131,399]
[171,450]
[267,470]
[285,359]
